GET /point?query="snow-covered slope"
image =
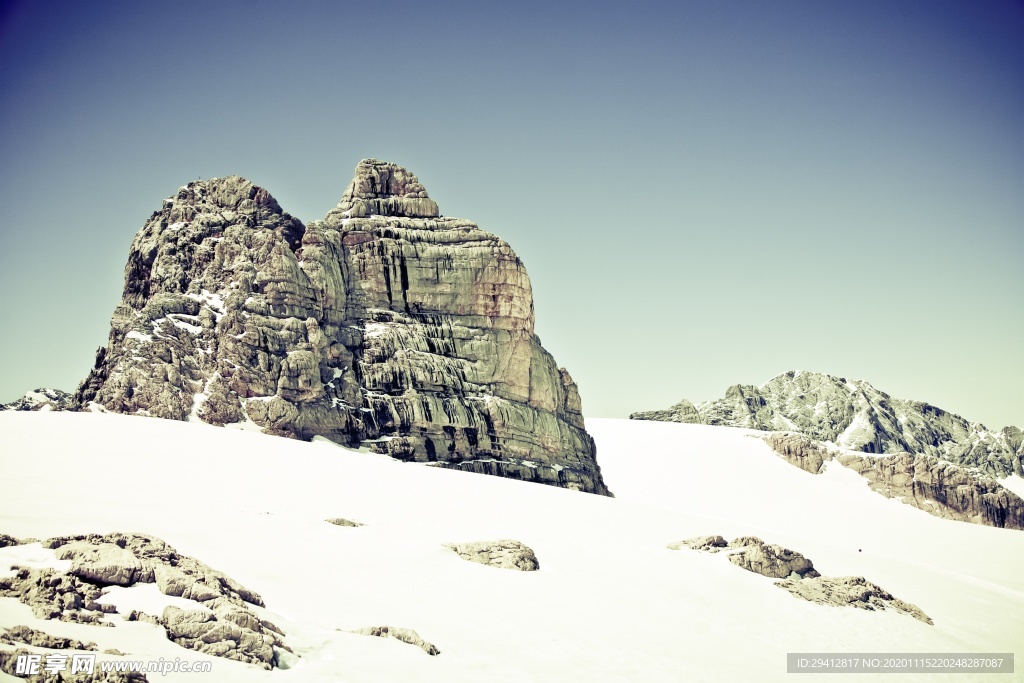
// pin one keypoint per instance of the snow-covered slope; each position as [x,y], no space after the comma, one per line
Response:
[610,602]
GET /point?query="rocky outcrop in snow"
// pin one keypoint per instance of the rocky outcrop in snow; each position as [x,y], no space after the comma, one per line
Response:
[850,591]
[37,638]
[9,663]
[855,415]
[711,544]
[770,560]
[385,325]
[223,624]
[799,576]
[754,555]
[405,635]
[504,554]
[341,521]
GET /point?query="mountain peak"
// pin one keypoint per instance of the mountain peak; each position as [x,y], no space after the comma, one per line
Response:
[381,188]
[411,336]
[228,193]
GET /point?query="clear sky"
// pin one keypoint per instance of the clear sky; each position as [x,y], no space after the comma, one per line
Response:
[704,193]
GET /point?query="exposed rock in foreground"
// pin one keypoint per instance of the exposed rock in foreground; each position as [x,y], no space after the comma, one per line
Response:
[42,399]
[924,481]
[854,415]
[37,638]
[384,325]
[850,591]
[405,635]
[799,576]
[9,660]
[504,554]
[223,625]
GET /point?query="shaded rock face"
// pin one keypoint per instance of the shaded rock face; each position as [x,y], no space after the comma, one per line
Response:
[855,415]
[504,554]
[385,324]
[934,485]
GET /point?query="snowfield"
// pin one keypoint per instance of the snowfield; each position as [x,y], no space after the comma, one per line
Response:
[610,602]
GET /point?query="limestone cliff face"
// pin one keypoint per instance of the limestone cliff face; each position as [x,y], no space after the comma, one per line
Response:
[384,324]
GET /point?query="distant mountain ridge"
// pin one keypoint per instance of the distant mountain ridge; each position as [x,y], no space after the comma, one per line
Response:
[855,415]
[42,399]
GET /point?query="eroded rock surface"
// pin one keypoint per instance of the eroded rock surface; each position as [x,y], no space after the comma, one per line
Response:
[799,576]
[936,486]
[55,595]
[222,625]
[385,324]
[800,450]
[770,560]
[37,638]
[850,591]
[504,554]
[940,488]
[405,635]
[9,660]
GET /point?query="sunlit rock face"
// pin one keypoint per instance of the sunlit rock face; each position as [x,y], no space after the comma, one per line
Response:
[385,324]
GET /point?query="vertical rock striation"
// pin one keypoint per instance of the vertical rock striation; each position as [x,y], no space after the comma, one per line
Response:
[384,324]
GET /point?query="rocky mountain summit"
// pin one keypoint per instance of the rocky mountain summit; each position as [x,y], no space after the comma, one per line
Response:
[385,325]
[854,415]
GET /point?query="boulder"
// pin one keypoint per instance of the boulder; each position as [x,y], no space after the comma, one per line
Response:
[504,554]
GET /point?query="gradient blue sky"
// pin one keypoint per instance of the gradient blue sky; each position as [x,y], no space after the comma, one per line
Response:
[704,193]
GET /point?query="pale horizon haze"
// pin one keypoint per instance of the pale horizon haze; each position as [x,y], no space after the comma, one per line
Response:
[703,193]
